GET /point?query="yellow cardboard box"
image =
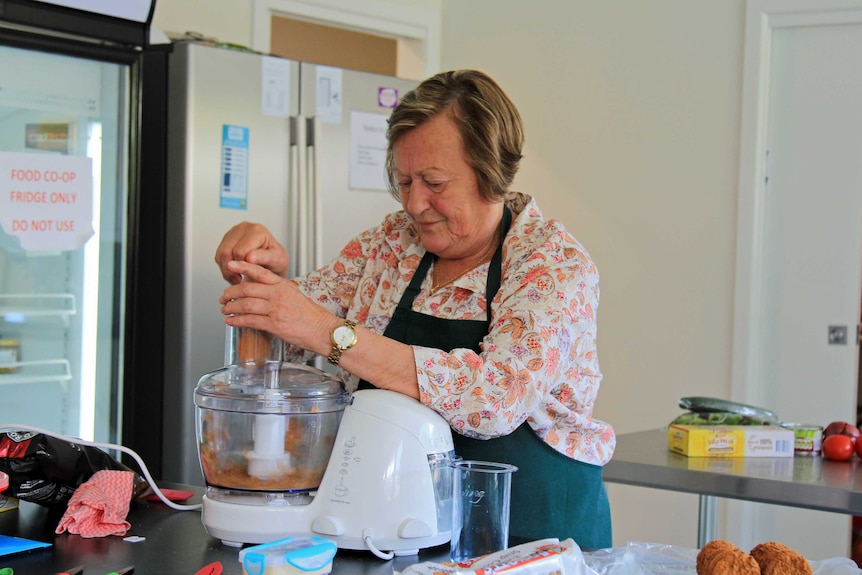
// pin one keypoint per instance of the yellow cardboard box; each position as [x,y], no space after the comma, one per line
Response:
[730,440]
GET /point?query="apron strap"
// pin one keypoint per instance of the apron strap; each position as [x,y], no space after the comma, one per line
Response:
[406,301]
[495,271]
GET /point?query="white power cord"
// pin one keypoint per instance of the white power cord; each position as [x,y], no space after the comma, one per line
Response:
[126,450]
[368,537]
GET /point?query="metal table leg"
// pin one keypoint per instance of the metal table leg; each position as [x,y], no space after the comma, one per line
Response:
[707,520]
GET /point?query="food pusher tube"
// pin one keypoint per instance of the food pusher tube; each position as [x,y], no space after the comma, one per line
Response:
[268,458]
[258,357]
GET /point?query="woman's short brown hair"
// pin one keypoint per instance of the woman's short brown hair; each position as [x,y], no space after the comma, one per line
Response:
[488,121]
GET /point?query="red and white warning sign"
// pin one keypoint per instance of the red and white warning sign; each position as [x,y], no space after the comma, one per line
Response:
[46,201]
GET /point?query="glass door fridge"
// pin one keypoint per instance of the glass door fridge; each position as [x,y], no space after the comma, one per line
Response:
[63,164]
[81,226]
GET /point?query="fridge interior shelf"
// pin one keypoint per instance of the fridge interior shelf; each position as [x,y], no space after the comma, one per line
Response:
[44,371]
[22,306]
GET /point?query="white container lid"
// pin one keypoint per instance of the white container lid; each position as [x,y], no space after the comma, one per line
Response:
[292,555]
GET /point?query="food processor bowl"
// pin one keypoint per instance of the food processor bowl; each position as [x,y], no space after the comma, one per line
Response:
[268,430]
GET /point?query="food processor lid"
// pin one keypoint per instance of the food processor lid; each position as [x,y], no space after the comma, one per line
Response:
[281,388]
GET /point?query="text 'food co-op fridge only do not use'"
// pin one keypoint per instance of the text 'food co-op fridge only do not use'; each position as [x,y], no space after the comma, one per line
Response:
[295,146]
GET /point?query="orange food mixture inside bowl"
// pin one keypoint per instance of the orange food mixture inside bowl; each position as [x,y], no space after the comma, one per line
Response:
[228,468]
[232,473]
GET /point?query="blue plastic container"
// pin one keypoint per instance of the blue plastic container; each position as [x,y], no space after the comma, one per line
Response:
[289,556]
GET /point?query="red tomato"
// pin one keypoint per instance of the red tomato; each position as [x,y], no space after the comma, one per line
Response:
[841,428]
[859,453]
[838,447]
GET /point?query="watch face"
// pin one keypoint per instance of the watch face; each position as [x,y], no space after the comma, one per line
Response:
[344,336]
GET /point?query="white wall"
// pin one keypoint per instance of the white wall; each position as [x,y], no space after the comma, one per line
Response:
[632,112]
[227,20]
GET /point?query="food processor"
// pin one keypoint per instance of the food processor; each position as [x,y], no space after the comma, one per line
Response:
[286,451]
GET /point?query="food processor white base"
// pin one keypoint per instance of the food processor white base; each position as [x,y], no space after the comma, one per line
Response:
[387,485]
[236,524]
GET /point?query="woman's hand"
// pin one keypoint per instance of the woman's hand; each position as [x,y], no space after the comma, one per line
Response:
[270,303]
[253,243]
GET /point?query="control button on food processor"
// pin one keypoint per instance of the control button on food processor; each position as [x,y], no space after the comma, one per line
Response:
[327,525]
[411,528]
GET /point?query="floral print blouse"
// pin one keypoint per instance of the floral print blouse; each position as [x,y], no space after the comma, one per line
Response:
[538,362]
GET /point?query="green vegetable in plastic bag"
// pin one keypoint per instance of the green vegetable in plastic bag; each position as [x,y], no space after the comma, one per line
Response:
[719,418]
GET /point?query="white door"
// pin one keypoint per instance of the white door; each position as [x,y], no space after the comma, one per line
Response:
[812,224]
[804,254]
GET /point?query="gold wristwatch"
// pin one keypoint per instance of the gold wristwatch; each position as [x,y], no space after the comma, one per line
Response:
[343,338]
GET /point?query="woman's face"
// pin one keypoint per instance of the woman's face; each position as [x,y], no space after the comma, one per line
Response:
[440,191]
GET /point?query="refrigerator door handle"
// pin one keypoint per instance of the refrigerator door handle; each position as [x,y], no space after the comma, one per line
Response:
[315,203]
[315,198]
[292,196]
[298,203]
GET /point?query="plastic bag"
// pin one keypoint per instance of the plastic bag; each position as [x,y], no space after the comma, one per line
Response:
[657,559]
[642,559]
[629,559]
[47,470]
[542,557]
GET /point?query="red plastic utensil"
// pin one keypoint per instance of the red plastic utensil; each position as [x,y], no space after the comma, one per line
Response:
[211,569]
[172,495]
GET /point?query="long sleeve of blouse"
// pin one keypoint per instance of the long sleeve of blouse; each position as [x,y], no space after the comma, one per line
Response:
[538,362]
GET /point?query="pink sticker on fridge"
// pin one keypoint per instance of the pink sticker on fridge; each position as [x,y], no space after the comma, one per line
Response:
[387,97]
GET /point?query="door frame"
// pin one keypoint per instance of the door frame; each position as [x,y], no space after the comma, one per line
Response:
[413,24]
[763,17]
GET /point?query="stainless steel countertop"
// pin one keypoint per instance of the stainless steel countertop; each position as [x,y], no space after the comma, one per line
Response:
[812,482]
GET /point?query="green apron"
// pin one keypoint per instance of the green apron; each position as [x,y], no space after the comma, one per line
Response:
[552,495]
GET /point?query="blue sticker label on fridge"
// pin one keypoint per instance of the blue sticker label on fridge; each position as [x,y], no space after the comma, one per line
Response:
[234,168]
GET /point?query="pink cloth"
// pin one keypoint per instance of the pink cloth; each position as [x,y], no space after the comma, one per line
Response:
[99,506]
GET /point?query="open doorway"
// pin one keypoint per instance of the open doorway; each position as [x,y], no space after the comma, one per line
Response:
[858,337]
[413,32]
[320,44]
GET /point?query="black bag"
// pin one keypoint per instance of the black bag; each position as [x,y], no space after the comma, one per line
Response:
[47,470]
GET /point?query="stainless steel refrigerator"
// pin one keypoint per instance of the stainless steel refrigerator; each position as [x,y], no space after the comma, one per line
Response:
[81,218]
[296,146]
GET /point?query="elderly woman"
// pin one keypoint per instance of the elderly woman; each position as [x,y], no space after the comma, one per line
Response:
[468,300]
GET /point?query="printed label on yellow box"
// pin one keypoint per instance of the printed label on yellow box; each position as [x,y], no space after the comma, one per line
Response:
[730,440]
